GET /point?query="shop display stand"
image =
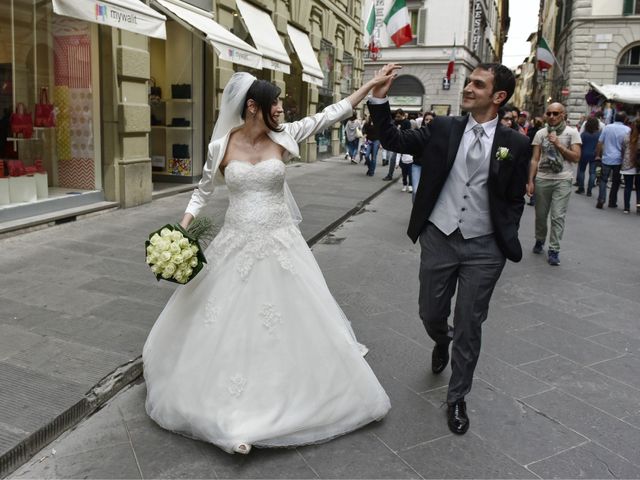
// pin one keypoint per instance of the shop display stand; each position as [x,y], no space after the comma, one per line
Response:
[176,121]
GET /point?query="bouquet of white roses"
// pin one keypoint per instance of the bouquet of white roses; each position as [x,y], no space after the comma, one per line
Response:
[174,254]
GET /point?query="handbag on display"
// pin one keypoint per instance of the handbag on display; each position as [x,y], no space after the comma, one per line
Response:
[21,122]
[154,91]
[15,168]
[181,90]
[180,150]
[44,116]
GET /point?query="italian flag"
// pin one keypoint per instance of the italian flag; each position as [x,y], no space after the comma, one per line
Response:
[370,18]
[398,23]
[452,61]
[544,55]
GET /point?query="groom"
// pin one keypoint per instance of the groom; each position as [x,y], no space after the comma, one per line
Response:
[466,214]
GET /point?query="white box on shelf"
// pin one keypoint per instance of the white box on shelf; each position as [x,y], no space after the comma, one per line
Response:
[22,189]
[42,185]
[4,191]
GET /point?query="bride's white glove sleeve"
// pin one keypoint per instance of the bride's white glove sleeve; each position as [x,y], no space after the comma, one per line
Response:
[205,188]
[303,129]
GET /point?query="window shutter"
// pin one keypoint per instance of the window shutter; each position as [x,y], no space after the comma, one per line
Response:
[627,8]
[422,27]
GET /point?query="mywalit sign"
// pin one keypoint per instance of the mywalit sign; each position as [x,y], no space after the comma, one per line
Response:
[131,15]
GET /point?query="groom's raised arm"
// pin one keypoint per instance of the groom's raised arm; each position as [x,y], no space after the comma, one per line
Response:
[400,141]
[411,141]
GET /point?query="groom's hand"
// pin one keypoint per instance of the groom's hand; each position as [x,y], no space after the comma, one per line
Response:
[383,79]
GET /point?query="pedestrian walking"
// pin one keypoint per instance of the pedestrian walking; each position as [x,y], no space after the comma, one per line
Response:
[609,151]
[555,148]
[401,123]
[352,136]
[631,167]
[589,137]
[466,215]
[404,163]
[373,145]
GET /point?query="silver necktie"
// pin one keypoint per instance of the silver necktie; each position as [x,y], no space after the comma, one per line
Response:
[475,154]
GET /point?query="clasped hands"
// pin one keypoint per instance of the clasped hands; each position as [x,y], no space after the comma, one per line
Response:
[382,80]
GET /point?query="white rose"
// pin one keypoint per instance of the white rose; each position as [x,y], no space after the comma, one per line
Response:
[150,249]
[165,256]
[177,259]
[193,262]
[156,269]
[176,236]
[149,259]
[166,275]
[165,232]
[175,248]
[183,242]
[170,269]
[163,244]
[194,248]
[187,253]
[154,239]
[188,271]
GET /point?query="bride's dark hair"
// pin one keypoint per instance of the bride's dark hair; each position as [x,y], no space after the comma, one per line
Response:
[265,94]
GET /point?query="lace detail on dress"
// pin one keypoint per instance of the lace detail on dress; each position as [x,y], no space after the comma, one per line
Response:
[257,224]
[271,317]
[236,385]
[211,312]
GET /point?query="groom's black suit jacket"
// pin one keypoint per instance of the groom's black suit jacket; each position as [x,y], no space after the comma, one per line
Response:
[437,144]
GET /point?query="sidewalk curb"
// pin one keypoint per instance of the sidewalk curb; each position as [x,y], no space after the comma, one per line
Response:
[95,398]
[119,379]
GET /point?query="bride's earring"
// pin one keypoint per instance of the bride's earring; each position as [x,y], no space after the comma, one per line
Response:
[243,448]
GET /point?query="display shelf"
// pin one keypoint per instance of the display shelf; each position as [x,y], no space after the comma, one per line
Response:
[22,139]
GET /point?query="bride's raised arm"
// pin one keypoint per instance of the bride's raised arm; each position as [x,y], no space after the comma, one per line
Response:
[303,129]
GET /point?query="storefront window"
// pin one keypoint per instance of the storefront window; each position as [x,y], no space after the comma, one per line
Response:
[176,141]
[326,57]
[48,105]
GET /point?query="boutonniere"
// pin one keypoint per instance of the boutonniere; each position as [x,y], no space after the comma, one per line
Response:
[503,154]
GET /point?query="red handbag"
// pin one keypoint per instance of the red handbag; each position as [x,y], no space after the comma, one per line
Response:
[44,110]
[15,168]
[21,122]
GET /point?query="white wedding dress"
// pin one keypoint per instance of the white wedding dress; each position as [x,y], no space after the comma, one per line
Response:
[255,349]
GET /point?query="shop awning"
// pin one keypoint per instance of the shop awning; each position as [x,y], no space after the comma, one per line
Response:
[311,71]
[226,44]
[265,37]
[619,93]
[131,15]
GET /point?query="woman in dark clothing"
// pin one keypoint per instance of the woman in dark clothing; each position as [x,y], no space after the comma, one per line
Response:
[373,145]
[590,138]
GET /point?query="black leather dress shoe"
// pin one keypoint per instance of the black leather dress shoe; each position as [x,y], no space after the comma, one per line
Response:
[457,417]
[439,358]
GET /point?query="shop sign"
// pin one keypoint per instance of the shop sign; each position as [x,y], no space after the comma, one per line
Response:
[406,100]
[476,30]
[446,83]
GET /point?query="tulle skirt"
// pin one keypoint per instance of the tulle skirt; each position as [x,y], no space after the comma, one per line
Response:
[256,350]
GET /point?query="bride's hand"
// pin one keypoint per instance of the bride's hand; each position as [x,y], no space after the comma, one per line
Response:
[186,220]
[382,80]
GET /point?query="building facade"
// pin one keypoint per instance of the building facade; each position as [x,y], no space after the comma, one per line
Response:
[476,32]
[593,40]
[134,107]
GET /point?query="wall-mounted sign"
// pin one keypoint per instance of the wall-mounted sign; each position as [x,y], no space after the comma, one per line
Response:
[476,28]
[446,83]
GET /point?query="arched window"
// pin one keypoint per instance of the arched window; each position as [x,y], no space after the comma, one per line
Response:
[631,56]
[629,66]
[406,85]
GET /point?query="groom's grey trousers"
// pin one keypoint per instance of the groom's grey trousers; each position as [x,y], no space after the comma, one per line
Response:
[475,266]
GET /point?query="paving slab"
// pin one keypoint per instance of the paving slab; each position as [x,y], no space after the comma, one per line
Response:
[554,395]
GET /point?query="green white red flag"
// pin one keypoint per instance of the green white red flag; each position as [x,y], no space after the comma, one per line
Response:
[544,55]
[398,23]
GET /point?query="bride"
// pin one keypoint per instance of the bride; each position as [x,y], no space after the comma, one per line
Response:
[255,351]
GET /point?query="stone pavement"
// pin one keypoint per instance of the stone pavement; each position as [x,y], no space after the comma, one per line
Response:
[556,394]
[77,301]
